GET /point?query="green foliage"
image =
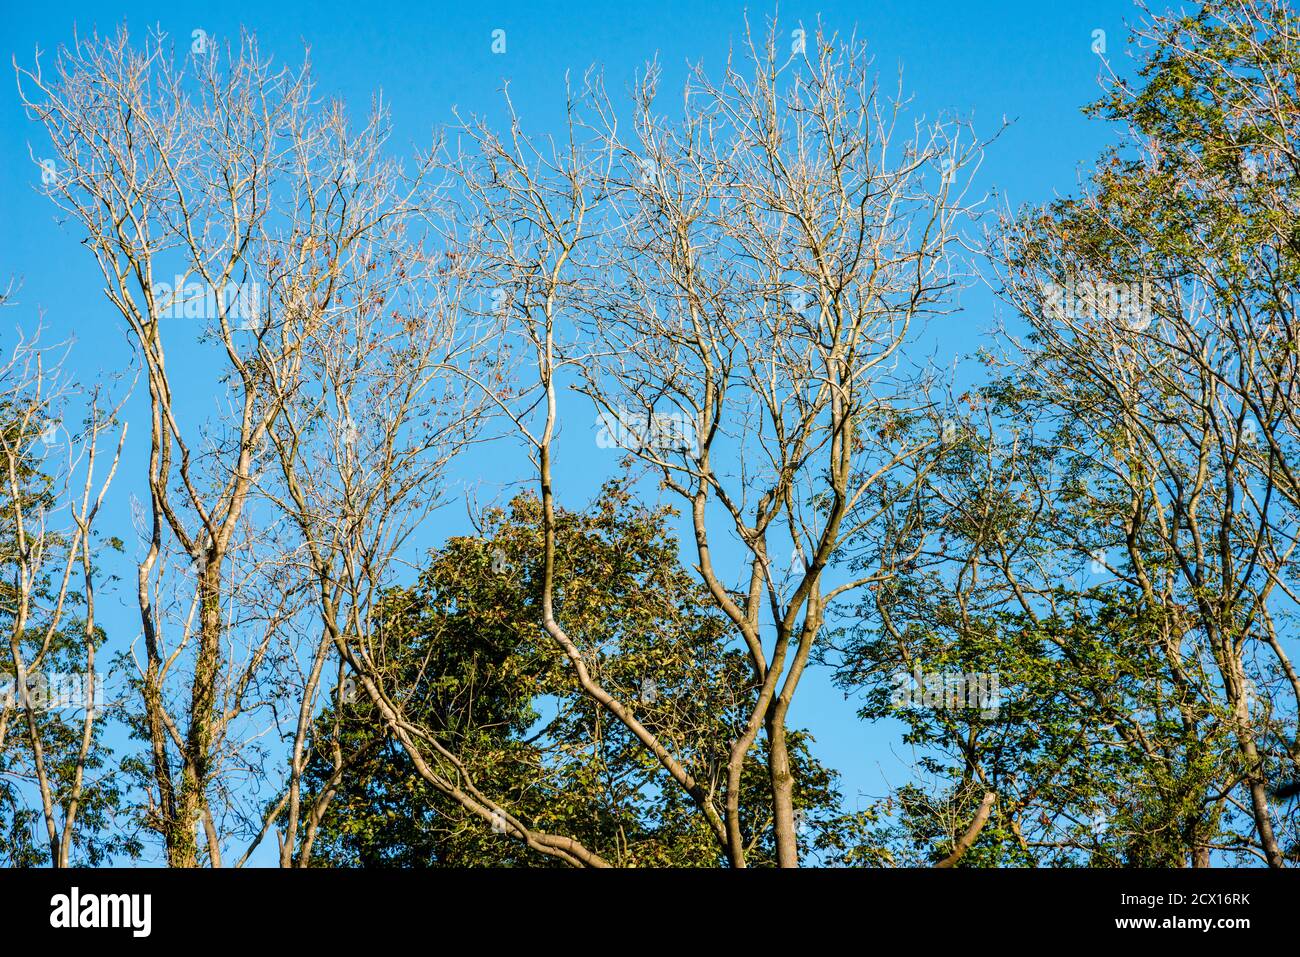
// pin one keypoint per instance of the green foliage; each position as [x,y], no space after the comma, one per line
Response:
[475,667]
[1120,735]
[98,837]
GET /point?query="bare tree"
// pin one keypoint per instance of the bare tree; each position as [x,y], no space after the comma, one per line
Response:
[193,171]
[538,209]
[372,411]
[774,250]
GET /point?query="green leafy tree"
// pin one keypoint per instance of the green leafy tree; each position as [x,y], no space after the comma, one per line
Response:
[61,798]
[1066,706]
[466,647]
[1114,528]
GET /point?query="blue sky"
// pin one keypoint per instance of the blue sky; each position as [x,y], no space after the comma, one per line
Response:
[1031,63]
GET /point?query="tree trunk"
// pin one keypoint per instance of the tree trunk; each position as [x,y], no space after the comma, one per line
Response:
[787,844]
[182,843]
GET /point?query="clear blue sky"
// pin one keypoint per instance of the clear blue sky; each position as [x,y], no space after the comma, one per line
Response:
[1029,62]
